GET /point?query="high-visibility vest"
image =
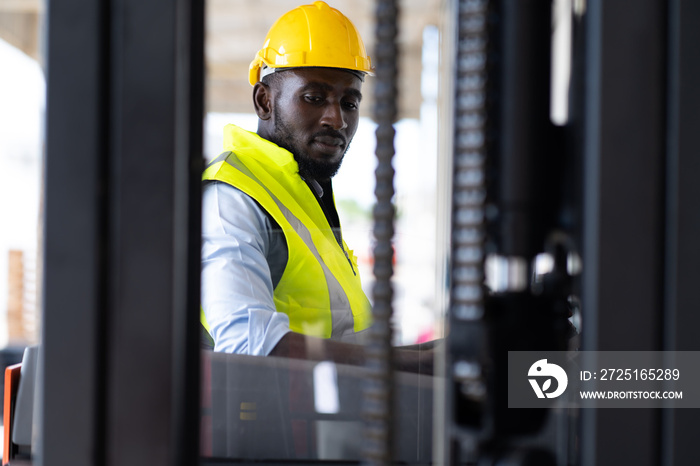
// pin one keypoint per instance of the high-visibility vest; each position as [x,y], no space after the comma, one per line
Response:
[320,285]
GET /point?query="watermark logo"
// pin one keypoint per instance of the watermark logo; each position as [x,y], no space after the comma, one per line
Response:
[545,372]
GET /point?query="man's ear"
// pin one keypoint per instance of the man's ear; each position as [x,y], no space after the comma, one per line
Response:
[262,100]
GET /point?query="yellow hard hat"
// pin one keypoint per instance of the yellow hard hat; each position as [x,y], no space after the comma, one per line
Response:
[312,35]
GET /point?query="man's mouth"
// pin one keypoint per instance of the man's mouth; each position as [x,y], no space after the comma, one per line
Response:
[330,141]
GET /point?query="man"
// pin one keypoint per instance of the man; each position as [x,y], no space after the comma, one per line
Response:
[277,277]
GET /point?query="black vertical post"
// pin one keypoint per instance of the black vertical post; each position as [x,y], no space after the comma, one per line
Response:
[682,219]
[623,215]
[75,204]
[187,241]
[124,136]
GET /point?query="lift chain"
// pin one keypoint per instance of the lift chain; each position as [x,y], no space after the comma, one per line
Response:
[378,412]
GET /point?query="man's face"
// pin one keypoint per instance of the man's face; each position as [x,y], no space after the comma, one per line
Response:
[315,113]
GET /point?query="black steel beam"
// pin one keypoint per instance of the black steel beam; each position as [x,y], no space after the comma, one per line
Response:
[75,201]
[151,258]
[623,217]
[122,233]
[682,220]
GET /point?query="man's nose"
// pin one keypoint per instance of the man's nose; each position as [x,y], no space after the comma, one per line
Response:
[333,117]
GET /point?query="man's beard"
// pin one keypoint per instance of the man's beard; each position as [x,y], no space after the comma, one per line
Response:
[308,167]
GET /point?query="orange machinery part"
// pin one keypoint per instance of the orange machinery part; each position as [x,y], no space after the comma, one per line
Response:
[11,383]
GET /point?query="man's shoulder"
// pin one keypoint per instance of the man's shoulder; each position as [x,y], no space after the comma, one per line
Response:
[234,205]
[229,198]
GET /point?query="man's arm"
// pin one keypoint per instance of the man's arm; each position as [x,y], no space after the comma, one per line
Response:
[237,288]
[407,359]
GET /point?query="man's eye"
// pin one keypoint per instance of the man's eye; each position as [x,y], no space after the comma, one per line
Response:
[352,105]
[313,99]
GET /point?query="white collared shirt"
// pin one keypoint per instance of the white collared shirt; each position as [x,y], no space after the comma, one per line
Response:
[243,252]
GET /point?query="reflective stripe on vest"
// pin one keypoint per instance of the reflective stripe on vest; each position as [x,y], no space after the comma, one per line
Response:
[319,290]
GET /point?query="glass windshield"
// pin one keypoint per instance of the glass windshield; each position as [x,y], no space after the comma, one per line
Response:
[268,394]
